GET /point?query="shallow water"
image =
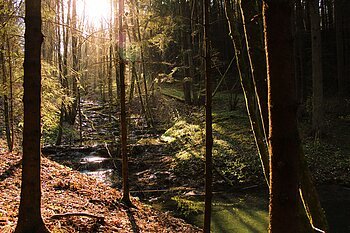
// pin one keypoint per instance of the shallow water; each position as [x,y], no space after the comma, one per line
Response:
[237,213]
[247,212]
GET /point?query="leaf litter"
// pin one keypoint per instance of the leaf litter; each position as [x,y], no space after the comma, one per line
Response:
[67,191]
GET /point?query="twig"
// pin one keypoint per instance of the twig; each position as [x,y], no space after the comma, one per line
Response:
[58,216]
[110,155]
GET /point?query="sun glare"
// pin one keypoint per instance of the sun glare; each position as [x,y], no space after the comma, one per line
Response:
[95,11]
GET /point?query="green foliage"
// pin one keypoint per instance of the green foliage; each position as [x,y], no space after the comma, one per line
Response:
[52,96]
[164,27]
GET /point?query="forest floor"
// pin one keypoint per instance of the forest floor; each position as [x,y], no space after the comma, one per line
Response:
[68,191]
[167,167]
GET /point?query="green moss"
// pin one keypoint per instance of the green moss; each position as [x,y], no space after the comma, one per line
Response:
[184,133]
[186,207]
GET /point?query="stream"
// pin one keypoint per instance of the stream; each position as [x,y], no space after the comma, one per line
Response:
[241,210]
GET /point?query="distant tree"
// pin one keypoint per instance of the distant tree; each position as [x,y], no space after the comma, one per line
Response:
[317,73]
[63,59]
[339,26]
[283,131]
[5,98]
[29,219]
[72,109]
[6,72]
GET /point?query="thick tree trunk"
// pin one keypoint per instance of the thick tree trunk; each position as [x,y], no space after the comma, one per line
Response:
[317,74]
[29,219]
[283,130]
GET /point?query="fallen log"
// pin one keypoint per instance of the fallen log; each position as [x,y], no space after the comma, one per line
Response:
[173,96]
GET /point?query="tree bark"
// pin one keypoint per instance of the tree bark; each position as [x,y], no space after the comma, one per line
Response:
[29,219]
[283,130]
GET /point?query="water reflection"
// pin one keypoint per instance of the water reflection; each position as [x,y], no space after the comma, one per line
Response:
[92,159]
[107,176]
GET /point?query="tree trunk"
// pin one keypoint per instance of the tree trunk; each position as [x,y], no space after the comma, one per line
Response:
[208,120]
[143,68]
[283,130]
[63,64]
[123,121]
[74,106]
[317,74]
[5,98]
[256,55]
[299,52]
[137,80]
[314,211]
[339,21]
[29,219]
[11,126]
[60,71]
[248,90]
[110,82]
